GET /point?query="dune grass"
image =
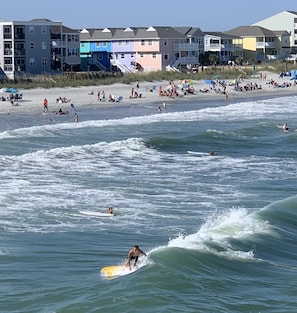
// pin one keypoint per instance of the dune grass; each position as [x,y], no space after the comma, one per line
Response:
[106,78]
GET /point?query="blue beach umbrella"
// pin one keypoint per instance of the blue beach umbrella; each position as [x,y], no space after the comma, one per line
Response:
[12,90]
[209,82]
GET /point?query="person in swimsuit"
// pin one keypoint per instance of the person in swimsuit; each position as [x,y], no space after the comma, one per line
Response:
[133,254]
[285,127]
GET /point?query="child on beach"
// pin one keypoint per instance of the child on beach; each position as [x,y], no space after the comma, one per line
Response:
[45,107]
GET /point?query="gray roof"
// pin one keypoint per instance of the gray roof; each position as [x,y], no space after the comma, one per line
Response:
[250,31]
[222,35]
[281,32]
[65,30]
[153,32]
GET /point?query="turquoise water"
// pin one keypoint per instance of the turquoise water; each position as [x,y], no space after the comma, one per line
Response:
[219,231]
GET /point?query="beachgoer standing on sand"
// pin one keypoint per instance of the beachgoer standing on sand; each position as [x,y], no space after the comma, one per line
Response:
[45,107]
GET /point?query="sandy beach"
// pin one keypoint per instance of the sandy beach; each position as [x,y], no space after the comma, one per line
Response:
[266,85]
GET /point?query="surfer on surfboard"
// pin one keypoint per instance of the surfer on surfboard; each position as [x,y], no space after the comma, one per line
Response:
[133,254]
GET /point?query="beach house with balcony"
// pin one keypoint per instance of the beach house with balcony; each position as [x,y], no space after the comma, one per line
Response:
[259,44]
[96,49]
[36,47]
[283,21]
[225,46]
[188,49]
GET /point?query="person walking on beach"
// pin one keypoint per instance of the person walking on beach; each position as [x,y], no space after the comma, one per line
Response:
[45,107]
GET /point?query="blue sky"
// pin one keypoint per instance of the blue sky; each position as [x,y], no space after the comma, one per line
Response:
[209,15]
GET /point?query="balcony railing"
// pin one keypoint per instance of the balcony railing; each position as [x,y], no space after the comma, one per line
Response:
[187,47]
[19,52]
[58,44]
[185,61]
[19,36]
[7,67]
[213,47]
[7,51]
[263,45]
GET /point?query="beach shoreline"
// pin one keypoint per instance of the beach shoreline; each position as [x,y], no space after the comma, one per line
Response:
[76,98]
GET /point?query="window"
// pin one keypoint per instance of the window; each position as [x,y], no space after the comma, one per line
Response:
[44,61]
[31,30]
[19,61]
[43,29]
[32,62]
[72,38]
[122,56]
[7,30]
[19,33]
[97,44]
[141,55]
[165,43]
[120,43]
[32,45]
[142,42]
[166,57]
[154,55]
[104,44]
[72,51]
[44,45]
[150,42]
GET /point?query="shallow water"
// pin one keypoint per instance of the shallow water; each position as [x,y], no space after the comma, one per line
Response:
[220,231]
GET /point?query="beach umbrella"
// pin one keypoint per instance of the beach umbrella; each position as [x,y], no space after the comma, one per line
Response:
[12,90]
[184,81]
[209,82]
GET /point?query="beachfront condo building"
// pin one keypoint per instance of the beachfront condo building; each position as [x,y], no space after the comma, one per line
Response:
[285,21]
[262,44]
[39,46]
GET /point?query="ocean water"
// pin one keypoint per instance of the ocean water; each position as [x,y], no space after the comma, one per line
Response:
[220,231]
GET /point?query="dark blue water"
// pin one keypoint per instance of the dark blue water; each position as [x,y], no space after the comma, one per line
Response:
[219,231]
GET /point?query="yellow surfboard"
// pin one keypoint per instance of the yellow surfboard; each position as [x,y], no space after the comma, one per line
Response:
[116,270]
